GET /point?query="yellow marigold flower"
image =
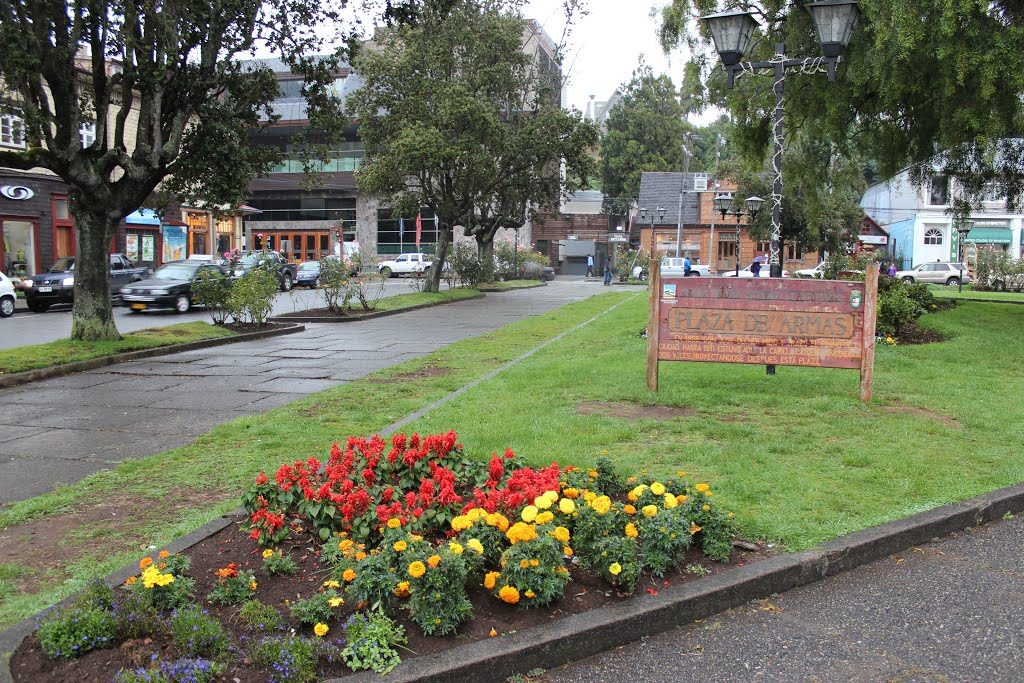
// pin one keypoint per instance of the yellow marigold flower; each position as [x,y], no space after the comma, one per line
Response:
[601,504]
[394,523]
[400,546]
[534,563]
[456,547]
[501,522]
[321,630]
[523,564]
[475,513]
[475,545]
[521,532]
[491,579]
[680,474]
[530,594]
[710,494]
[629,509]
[562,534]
[349,575]
[589,496]
[433,561]
[729,515]
[561,570]
[566,506]
[542,502]
[130,581]
[658,489]
[163,554]
[332,584]
[492,633]
[650,510]
[416,569]
[335,602]
[567,551]
[360,556]
[402,589]
[461,523]
[509,594]
[694,528]
[631,531]
[702,488]
[545,517]
[615,569]
[253,585]
[145,562]
[592,474]
[345,545]
[670,501]
[571,493]
[267,554]
[706,508]
[529,513]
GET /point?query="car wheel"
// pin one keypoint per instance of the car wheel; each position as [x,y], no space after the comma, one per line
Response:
[36,307]
[909,280]
[6,307]
[182,304]
[386,272]
[953,281]
[286,283]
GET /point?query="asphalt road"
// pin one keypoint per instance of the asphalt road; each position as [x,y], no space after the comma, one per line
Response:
[26,327]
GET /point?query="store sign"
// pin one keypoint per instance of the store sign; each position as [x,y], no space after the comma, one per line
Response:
[618,238]
[16,192]
[815,323]
[873,239]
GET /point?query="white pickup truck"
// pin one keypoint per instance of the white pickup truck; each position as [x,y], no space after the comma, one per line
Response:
[674,267]
[406,264]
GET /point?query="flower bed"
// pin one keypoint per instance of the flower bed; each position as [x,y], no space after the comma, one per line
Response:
[384,550]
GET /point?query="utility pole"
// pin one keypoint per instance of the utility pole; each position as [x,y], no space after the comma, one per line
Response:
[682,183]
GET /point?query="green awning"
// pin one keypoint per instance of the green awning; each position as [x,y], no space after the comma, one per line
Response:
[990,236]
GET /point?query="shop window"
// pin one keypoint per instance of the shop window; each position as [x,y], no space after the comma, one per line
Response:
[933,236]
[794,252]
[765,247]
[938,190]
[12,130]
[19,248]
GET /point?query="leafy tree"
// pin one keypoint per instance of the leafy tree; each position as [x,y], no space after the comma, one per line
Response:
[173,109]
[460,122]
[646,132]
[937,86]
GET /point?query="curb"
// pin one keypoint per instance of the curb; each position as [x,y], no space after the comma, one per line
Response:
[982,301]
[367,316]
[583,635]
[18,378]
[499,290]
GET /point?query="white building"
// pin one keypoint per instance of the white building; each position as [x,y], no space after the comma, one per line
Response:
[921,227]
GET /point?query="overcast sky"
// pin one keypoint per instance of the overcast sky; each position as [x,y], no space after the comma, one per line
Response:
[607,45]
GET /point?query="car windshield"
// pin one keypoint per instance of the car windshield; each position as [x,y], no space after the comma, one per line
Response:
[309,266]
[176,271]
[252,259]
[63,265]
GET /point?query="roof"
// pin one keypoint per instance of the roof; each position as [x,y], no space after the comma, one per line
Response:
[661,190]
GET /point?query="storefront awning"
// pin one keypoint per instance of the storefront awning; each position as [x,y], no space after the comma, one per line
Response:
[142,217]
[990,236]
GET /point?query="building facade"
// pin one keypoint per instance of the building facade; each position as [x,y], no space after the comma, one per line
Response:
[921,227]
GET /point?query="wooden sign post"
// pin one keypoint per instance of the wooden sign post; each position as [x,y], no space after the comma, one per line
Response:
[762,321]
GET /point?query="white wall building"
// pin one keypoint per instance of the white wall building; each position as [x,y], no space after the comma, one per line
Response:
[921,227]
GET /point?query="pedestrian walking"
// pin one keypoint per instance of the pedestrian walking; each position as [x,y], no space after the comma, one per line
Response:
[687,266]
[590,265]
[607,272]
[755,267]
[891,270]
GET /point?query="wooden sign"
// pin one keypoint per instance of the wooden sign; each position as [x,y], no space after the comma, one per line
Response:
[763,321]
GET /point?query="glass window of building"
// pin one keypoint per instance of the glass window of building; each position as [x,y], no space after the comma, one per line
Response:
[12,130]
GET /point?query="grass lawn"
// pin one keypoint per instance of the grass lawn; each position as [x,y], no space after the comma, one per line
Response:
[797,457]
[399,301]
[970,293]
[511,284]
[63,351]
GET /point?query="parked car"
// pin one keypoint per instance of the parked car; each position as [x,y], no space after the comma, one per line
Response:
[285,271]
[406,264]
[57,285]
[937,273]
[7,297]
[746,273]
[673,267]
[308,274]
[170,286]
[817,271]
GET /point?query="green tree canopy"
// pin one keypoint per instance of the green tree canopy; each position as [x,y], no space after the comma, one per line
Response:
[170,102]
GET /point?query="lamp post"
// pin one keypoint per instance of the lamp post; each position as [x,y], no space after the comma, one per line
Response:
[724,204]
[963,227]
[732,30]
[661,216]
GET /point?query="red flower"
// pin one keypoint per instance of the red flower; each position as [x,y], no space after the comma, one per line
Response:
[261,479]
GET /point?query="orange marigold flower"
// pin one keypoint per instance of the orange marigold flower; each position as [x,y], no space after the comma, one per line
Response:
[416,569]
[402,589]
[509,594]
[163,554]
[523,564]
[491,580]
[571,493]
[530,594]
[629,509]
[349,575]
[145,562]
[130,581]
[433,561]
[360,556]
[694,528]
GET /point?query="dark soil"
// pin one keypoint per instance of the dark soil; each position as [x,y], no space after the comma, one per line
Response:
[328,313]
[425,371]
[584,592]
[633,411]
[248,327]
[942,418]
[915,334]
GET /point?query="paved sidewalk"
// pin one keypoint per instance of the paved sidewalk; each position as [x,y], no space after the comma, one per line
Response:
[63,429]
[952,610]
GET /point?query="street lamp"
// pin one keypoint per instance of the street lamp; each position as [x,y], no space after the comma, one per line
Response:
[724,204]
[661,217]
[963,228]
[732,30]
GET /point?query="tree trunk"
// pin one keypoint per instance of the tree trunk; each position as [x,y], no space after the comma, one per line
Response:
[444,240]
[485,248]
[92,318]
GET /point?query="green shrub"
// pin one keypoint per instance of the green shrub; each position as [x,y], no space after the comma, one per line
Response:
[535,569]
[233,590]
[664,537]
[716,527]
[252,296]
[70,633]
[135,616]
[439,603]
[617,560]
[97,594]
[259,616]
[292,659]
[212,289]
[896,310]
[313,610]
[276,562]
[198,634]
[370,642]
[183,670]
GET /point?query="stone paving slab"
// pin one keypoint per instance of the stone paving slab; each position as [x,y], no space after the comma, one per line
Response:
[168,402]
[947,611]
